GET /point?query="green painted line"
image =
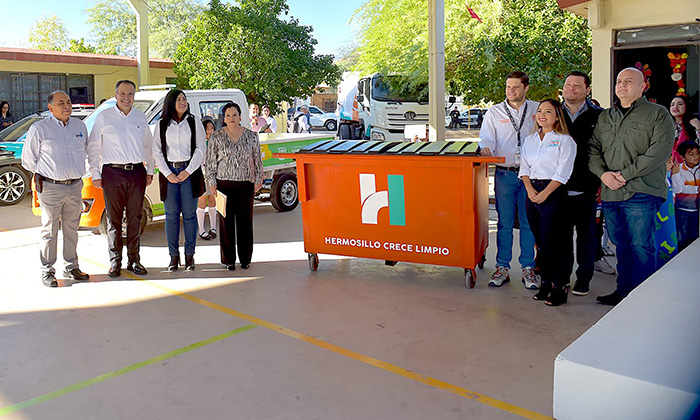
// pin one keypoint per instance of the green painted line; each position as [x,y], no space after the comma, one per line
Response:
[109,375]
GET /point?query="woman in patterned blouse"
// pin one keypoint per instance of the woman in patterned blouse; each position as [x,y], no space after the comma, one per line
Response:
[234,167]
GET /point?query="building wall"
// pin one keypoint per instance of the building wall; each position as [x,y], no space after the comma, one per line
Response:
[625,14]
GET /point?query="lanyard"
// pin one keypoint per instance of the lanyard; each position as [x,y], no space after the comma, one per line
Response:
[512,121]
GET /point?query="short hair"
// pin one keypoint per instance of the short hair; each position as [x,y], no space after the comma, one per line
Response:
[524,79]
[686,147]
[560,124]
[206,121]
[226,108]
[116,86]
[586,78]
[304,107]
[52,94]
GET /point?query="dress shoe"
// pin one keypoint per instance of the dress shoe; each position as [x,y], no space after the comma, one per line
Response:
[612,299]
[137,268]
[49,280]
[174,262]
[114,271]
[231,267]
[76,274]
[189,262]
[245,266]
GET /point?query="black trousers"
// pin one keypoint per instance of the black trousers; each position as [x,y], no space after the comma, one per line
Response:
[580,212]
[236,229]
[124,190]
[548,224]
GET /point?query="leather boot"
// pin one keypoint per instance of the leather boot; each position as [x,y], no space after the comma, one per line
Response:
[189,262]
[174,262]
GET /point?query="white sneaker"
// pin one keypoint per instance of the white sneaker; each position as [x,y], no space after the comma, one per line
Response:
[499,277]
[604,266]
[530,279]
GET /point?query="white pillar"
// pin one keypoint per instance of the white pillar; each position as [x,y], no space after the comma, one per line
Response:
[436,68]
[141,9]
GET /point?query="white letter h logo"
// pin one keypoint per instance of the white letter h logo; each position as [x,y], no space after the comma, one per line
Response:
[372,200]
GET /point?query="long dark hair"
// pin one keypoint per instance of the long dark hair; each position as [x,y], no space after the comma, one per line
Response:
[560,124]
[685,123]
[2,104]
[169,111]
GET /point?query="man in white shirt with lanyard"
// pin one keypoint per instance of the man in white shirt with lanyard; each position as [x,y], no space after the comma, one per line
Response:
[55,152]
[120,154]
[504,128]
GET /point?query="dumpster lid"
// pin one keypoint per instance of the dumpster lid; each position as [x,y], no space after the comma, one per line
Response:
[403,148]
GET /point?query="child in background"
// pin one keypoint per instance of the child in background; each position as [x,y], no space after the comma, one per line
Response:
[686,179]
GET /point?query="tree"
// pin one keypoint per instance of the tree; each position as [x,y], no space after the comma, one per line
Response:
[534,36]
[48,33]
[114,25]
[250,47]
[79,45]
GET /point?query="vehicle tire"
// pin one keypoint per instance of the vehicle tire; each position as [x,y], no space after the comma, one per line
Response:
[313,262]
[284,193]
[330,125]
[103,228]
[14,185]
[345,132]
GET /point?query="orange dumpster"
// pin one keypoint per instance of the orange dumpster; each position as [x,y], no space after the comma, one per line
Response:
[424,202]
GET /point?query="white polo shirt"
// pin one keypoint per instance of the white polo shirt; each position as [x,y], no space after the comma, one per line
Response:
[497,132]
[549,158]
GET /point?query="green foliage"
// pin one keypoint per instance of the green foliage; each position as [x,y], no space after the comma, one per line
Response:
[250,47]
[78,45]
[48,33]
[114,25]
[534,36]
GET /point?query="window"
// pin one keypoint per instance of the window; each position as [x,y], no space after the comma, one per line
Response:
[213,110]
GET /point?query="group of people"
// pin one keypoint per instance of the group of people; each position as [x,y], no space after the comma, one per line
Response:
[559,156]
[122,154]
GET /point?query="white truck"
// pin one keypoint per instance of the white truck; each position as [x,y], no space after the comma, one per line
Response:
[369,108]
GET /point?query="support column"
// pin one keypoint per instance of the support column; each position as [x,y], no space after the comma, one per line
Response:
[436,68]
[141,9]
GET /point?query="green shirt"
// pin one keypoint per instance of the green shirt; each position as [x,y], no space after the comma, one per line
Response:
[636,144]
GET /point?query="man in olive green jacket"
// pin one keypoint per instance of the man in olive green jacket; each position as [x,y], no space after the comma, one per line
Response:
[628,151]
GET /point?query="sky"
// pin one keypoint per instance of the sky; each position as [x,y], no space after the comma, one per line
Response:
[330,23]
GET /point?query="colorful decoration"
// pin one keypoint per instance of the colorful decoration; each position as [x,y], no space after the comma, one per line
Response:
[646,71]
[678,65]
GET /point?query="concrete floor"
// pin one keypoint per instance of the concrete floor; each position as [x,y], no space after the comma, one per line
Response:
[354,340]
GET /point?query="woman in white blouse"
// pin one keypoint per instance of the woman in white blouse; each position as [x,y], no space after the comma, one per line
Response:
[269,119]
[234,167]
[547,160]
[178,149]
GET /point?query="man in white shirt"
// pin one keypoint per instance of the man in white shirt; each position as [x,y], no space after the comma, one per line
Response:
[504,128]
[120,154]
[55,151]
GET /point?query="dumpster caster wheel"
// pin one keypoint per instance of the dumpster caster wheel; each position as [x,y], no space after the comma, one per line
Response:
[469,278]
[313,262]
[481,263]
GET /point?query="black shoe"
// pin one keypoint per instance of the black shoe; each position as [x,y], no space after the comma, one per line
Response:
[136,268]
[612,299]
[189,262]
[581,288]
[559,296]
[174,262]
[206,236]
[212,234]
[245,266]
[76,274]
[115,271]
[49,280]
[545,290]
[231,267]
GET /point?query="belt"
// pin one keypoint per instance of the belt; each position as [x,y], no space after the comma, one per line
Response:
[178,165]
[126,166]
[55,181]
[509,168]
[540,181]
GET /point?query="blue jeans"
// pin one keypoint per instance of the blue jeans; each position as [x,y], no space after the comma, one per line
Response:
[631,228]
[179,201]
[511,196]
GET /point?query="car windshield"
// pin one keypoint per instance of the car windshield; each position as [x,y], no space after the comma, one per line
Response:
[398,89]
[110,103]
[17,130]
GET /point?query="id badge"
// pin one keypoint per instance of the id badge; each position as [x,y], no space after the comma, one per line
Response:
[517,159]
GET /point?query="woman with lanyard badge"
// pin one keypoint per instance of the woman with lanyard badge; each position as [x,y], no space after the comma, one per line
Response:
[546,164]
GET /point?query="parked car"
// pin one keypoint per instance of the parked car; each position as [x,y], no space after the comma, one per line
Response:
[469,118]
[14,179]
[318,118]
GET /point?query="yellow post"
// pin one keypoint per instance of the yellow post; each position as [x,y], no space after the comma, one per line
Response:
[141,9]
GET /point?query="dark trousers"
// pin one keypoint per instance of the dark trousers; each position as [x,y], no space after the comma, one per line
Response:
[237,227]
[123,190]
[548,224]
[686,227]
[580,212]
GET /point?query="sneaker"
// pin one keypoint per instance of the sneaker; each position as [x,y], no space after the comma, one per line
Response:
[581,288]
[608,252]
[499,277]
[604,266]
[530,279]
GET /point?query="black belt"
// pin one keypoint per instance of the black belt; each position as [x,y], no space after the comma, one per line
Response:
[55,181]
[178,165]
[126,166]
[509,168]
[540,181]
